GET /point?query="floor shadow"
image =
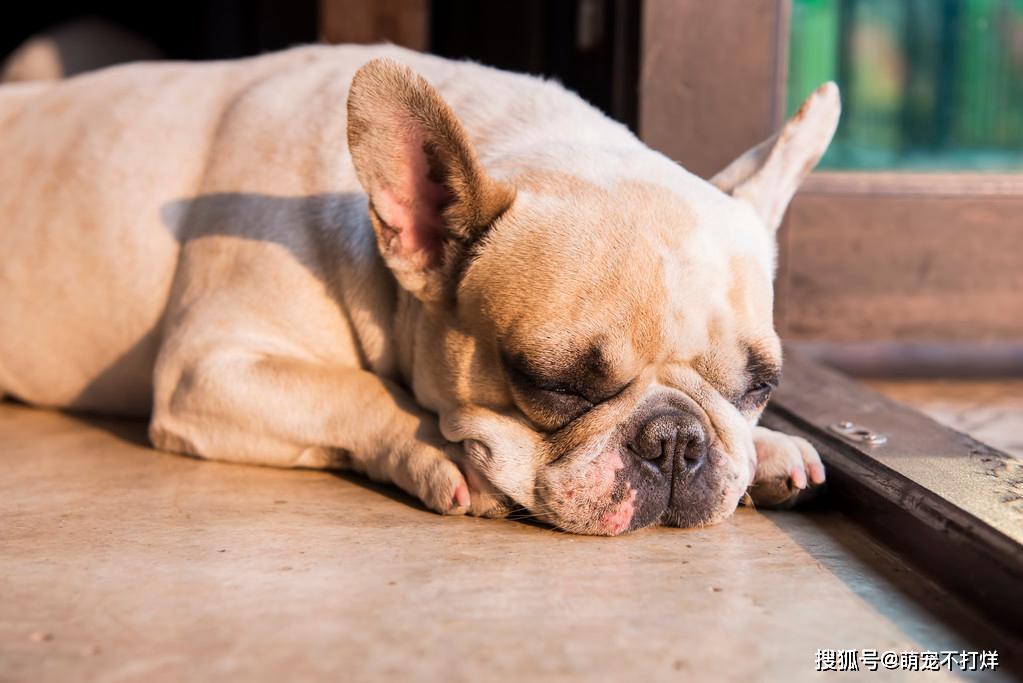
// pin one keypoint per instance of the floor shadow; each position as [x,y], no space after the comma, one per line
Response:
[386,490]
[519,515]
[133,431]
[130,430]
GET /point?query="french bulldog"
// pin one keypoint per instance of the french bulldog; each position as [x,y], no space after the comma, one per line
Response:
[466,282]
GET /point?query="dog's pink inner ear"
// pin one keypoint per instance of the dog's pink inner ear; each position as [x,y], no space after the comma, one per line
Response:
[412,205]
[428,192]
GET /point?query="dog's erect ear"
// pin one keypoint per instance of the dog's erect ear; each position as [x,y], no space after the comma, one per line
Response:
[769,174]
[429,197]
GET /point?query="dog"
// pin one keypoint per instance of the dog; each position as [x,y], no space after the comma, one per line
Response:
[467,282]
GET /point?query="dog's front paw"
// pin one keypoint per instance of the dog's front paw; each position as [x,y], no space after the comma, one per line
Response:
[787,468]
[430,475]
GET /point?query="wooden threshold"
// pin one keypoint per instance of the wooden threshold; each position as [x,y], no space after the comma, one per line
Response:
[945,502]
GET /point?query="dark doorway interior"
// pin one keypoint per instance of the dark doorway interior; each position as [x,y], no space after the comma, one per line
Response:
[186,29]
[592,46]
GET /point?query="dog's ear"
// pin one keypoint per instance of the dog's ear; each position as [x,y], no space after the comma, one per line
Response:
[769,174]
[429,197]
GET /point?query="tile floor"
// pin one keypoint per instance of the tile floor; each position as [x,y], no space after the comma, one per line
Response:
[118,563]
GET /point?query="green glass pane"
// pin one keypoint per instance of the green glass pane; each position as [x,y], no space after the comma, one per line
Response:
[926,84]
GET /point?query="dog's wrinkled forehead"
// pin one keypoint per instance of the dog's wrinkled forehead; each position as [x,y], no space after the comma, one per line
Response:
[673,263]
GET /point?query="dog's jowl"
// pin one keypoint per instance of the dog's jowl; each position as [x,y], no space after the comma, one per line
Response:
[466,282]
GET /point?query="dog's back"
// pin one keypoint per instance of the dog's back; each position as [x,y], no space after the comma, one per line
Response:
[87,261]
[99,174]
[92,170]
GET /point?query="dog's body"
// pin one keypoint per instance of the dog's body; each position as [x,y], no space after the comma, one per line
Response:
[279,283]
[112,169]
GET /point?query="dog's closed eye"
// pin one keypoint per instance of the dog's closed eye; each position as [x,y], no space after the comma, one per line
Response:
[564,405]
[550,402]
[553,401]
[756,396]
[763,375]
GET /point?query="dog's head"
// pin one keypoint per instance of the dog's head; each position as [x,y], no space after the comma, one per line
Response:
[596,327]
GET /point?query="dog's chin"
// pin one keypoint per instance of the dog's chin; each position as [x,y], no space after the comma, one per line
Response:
[617,492]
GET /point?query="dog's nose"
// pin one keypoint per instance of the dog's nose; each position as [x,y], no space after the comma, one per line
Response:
[672,439]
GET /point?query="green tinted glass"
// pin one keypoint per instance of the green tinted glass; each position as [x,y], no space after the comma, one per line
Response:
[926,84]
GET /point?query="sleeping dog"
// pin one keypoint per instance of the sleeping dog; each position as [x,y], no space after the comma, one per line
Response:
[466,282]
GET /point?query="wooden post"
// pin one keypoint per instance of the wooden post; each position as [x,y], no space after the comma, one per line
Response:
[712,77]
[402,22]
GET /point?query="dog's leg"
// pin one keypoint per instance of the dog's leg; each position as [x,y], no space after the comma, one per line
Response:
[294,413]
[786,466]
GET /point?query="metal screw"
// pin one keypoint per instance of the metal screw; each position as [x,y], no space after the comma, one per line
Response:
[850,430]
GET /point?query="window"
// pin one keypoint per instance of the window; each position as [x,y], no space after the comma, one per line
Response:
[928,85]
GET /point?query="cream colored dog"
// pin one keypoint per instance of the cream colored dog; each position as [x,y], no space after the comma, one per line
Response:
[467,282]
